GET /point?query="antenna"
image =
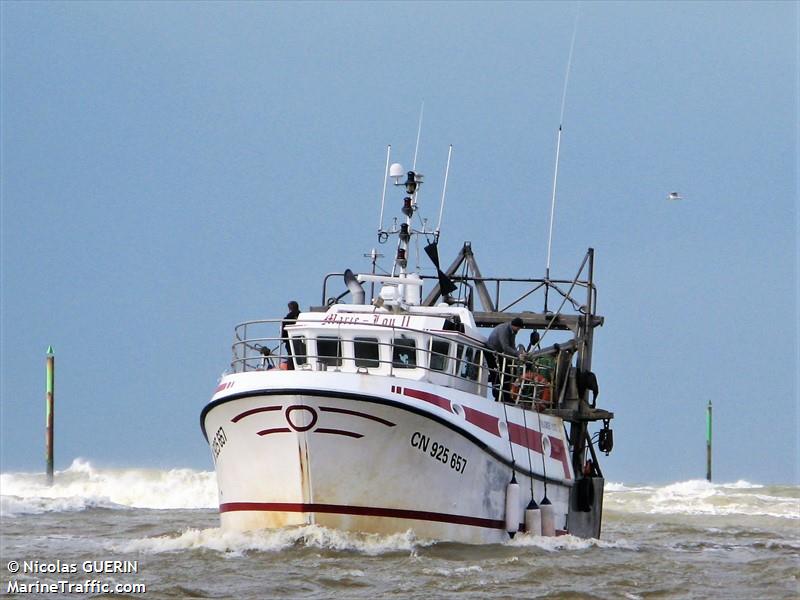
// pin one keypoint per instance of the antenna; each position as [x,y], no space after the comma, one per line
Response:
[558,153]
[419,131]
[385,178]
[374,255]
[444,191]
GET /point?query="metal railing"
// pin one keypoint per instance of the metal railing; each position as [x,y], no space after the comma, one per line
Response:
[537,380]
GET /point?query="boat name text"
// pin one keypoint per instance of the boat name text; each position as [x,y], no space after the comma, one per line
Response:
[374,319]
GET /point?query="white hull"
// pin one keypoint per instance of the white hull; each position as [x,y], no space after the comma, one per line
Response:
[378,455]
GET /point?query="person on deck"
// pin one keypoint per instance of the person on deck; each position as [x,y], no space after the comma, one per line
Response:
[289,319]
[501,341]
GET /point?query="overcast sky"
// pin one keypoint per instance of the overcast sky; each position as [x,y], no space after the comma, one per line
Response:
[172,169]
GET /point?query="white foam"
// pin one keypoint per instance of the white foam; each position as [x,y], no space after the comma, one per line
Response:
[11,506]
[742,484]
[82,486]
[234,543]
[566,542]
[457,572]
[700,497]
[612,486]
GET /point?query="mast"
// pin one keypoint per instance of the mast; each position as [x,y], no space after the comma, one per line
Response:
[412,183]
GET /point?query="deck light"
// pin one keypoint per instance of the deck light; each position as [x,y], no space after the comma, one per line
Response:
[411,182]
[401,257]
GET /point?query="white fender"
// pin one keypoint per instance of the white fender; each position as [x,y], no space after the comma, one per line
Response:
[548,518]
[533,519]
[512,507]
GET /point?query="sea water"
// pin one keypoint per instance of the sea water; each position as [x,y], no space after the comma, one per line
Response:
[141,533]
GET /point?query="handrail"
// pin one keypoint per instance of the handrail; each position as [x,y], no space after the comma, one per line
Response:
[515,376]
[539,283]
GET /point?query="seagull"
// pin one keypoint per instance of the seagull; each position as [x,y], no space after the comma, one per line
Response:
[674,196]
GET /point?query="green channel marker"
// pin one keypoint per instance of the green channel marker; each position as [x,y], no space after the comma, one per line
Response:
[708,441]
[50,410]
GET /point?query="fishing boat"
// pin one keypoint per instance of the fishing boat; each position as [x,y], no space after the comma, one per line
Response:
[383,410]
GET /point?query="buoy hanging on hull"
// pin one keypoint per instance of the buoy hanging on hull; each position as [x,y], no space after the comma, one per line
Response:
[548,518]
[533,518]
[512,506]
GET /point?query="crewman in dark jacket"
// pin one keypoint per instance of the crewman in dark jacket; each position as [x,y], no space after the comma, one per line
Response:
[501,341]
[289,319]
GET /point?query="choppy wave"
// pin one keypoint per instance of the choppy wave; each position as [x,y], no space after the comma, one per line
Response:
[700,497]
[567,542]
[315,536]
[238,543]
[82,487]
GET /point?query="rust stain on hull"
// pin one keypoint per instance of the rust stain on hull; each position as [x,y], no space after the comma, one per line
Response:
[305,475]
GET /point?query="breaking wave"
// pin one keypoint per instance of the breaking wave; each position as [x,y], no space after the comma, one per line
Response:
[700,497]
[567,542]
[82,487]
[233,543]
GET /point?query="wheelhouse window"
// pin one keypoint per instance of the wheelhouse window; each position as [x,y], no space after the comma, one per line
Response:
[299,350]
[439,351]
[366,352]
[470,367]
[404,353]
[329,351]
[459,358]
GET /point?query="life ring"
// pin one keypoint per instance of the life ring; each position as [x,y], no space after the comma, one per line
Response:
[522,385]
[542,388]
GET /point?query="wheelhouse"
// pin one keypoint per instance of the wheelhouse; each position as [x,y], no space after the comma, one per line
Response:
[440,348]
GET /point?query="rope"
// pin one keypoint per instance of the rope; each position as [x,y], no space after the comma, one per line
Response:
[528,443]
[544,468]
[510,445]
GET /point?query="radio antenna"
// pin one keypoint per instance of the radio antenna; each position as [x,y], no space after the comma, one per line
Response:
[558,153]
[419,131]
[444,191]
[385,179]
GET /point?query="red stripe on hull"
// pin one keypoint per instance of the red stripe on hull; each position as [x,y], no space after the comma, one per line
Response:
[532,439]
[356,413]
[482,420]
[439,401]
[525,437]
[254,411]
[558,452]
[368,511]
[351,434]
[276,430]
[223,386]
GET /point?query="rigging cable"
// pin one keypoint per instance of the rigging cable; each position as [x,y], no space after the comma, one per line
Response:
[544,468]
[528,442]
[508,433]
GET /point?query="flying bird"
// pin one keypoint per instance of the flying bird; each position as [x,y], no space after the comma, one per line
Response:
[674,196]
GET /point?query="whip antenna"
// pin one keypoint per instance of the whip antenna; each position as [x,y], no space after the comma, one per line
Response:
[385,179]
[444,190]
[558,153]
[419,130]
